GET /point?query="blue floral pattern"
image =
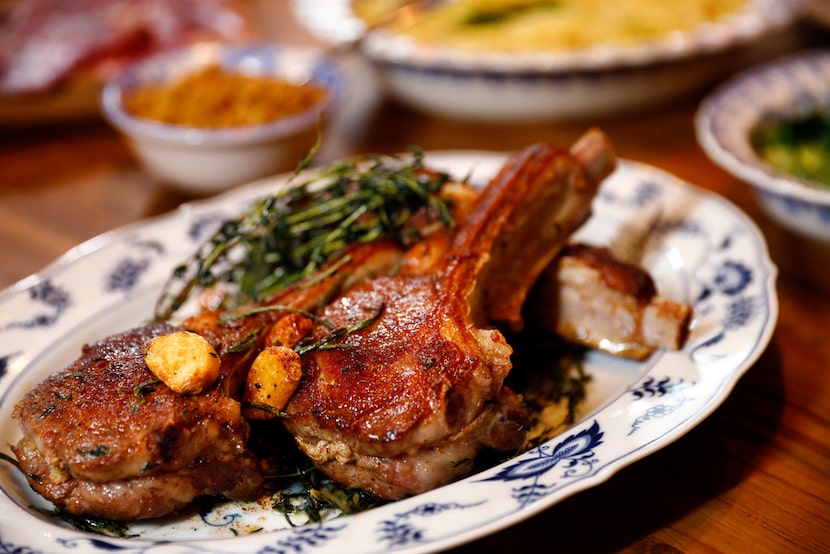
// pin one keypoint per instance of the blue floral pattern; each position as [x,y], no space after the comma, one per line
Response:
[401,530]
[304,539]
[575,455]
[47,295]
[673,393]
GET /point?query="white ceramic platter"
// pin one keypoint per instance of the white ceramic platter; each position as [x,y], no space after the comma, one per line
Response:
[700,249]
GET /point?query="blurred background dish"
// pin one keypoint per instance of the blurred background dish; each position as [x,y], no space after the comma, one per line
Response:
[819,11]
[784,92]
[607,72]
[55,55]
[214,116]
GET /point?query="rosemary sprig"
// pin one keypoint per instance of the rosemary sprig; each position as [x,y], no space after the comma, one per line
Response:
[297,488]
[326,342]
[277,308]
[316,497]
[98,526]
[293,233]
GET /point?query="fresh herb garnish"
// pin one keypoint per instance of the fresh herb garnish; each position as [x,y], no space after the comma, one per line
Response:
[48,410]
[551,375]
[293,233]
[246,342]
[316,497]
[298,490]
[143,389]
[326,342]
[276,308]
[265,408]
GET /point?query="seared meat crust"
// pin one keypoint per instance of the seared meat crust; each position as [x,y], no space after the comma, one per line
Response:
[407,402]
[105,438]
[407,405]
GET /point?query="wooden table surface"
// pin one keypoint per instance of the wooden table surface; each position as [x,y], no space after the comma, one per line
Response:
[755,475]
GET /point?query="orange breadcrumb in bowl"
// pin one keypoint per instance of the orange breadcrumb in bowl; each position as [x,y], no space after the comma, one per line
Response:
[215,98]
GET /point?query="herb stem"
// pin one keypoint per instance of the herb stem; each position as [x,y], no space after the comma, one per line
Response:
[296,231]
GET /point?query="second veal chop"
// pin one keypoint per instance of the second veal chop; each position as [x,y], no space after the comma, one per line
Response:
[407,402]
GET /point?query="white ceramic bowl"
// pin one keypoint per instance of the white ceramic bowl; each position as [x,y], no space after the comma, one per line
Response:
[202,161]
[519,87]
[790,86]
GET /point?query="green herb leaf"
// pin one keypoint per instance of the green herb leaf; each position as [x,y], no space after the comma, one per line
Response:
[293,233]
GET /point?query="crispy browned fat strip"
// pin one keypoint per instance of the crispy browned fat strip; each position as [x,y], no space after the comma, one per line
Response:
[589,297]
[548,198]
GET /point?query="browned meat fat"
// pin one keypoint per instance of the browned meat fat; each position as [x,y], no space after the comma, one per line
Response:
[590,297]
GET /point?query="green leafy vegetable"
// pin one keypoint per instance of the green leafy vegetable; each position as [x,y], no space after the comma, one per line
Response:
[299,490]
[100,450]
[550,374]
[798,146]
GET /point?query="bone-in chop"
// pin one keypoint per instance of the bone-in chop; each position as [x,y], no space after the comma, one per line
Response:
[415,396]
[401,404]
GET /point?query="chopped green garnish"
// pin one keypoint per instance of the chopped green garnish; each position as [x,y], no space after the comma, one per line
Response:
[798,146]
[100,450]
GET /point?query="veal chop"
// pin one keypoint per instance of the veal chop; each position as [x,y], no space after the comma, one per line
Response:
[411,399]
[105,438]
[400,405]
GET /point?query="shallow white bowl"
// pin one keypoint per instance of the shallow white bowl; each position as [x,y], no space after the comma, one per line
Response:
[562,84]
[790,86]
[201,161]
